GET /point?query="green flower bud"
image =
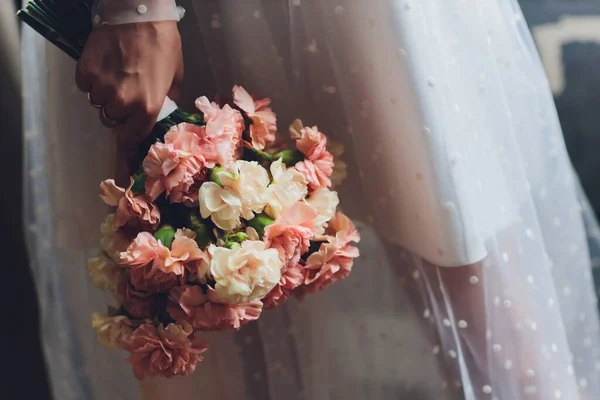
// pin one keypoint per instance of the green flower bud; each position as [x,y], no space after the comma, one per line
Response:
[238,237]
[213,176]
[259,223]
[232,245]
[166,235]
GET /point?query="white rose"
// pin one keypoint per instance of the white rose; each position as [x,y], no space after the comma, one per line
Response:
[325,201]
[113,242]
[105,274]
[246,273]
[221,204]
[251,187]
[111,329]
[288,187]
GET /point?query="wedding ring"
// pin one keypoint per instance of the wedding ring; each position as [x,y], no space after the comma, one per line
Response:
[92,102]
[109,122]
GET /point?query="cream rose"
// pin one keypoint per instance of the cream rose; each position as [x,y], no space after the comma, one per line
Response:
[251,187]
[288,187]
[325,202]
[243,194]
[221,204]
[105,274]
[246,273]
[111,329]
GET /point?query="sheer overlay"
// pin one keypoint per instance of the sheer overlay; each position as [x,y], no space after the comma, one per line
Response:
[455,159]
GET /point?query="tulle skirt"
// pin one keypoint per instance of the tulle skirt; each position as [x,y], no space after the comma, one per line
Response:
[474,279]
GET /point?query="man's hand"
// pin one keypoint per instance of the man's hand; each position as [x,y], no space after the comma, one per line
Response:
[129,70]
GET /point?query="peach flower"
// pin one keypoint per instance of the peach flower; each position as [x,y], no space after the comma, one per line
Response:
[111,330]
[161,351]
[154,267]
[287,188]
[105,274]
[153,280]
[130,208]
[224,127]
[333,261]
[175,165]
[291,278]
[318,165]
[246,273]
[206,312]
[139,304]
[291,233]
[264,120]
[146,249]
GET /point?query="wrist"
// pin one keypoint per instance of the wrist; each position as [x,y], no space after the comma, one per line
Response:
[118,12]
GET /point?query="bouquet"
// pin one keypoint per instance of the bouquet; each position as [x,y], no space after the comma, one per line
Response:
[223,219]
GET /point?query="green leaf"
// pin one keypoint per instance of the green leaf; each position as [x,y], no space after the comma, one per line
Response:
[139,183]
[166,235]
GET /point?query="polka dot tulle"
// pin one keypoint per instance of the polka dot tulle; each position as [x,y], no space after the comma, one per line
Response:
[474,280]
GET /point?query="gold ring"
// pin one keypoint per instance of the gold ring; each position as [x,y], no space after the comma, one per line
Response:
[92,102]
[111,123]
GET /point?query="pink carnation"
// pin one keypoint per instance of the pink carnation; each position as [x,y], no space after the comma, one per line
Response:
[131,209]
[154,267]
[223,130]
[206,312]
[163,351]
[318,165]
[333,261]
[291,233]
[175,165]
[154,280]
[264,120]
[137,303]
[291,278]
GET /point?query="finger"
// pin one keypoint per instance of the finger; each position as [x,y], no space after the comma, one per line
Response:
[84,77]
[101,93]
[175,90]
[121,103]
[109,121]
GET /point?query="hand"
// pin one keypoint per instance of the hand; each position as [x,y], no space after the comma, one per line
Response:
[129,70]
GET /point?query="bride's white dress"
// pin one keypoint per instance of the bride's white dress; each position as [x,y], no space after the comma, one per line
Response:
[474,280]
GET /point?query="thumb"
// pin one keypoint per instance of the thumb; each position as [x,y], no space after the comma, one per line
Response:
[125,162]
